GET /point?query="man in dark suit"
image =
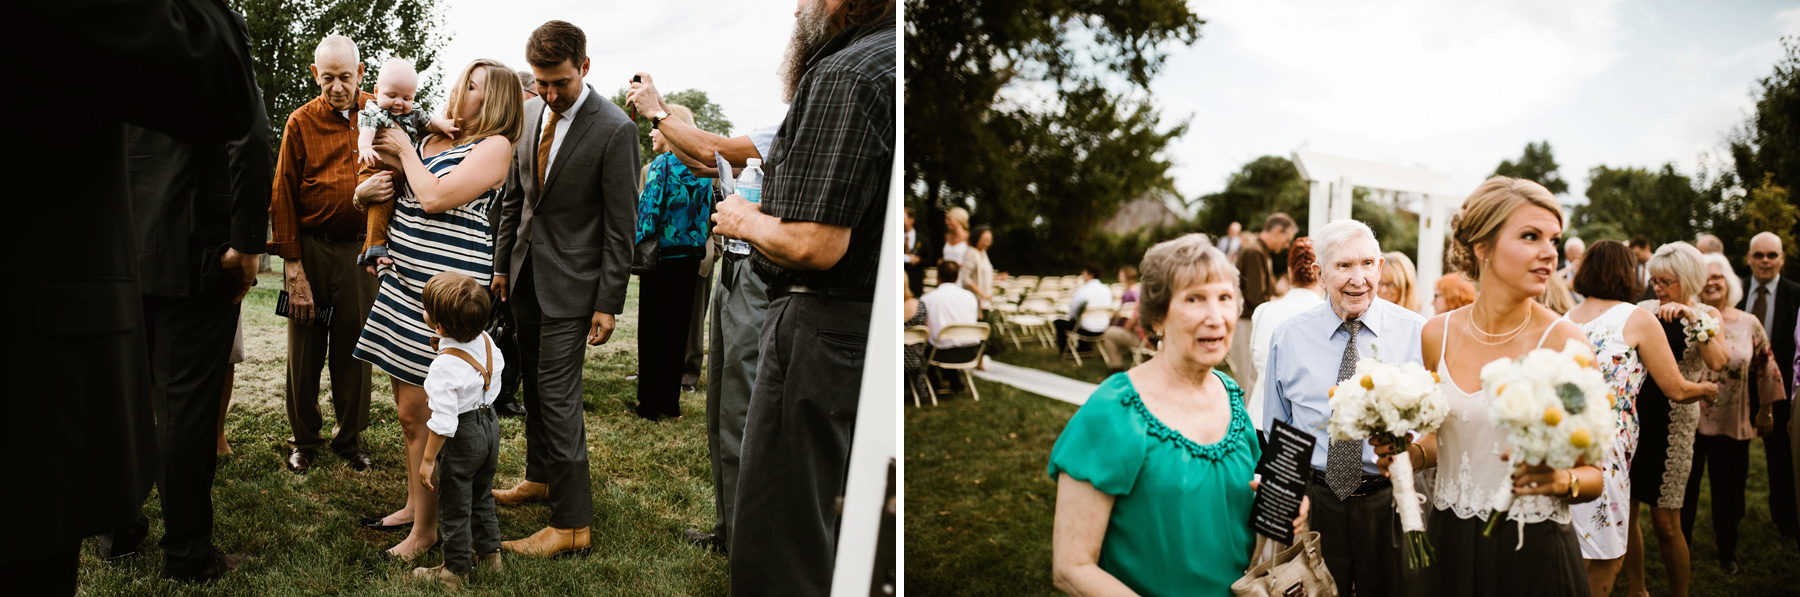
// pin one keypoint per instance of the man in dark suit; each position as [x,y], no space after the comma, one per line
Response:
[1775,301]
[1642,251]
[202,219]
[82,392]
[562,258]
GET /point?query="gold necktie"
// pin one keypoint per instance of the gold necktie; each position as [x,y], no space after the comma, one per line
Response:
[544,142]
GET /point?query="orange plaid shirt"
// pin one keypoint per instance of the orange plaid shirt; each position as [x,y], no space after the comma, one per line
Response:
[315,177]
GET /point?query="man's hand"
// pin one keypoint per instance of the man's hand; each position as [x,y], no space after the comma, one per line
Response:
[499,286]
[240,269]
[427,473]
[735,216]
[1765,421]
[379,188]
[300,301]
[602,329]
[644,97]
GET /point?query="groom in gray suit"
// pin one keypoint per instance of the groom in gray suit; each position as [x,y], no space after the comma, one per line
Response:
[562,258]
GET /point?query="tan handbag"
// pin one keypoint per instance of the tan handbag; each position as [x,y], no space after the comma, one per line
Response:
[1296,571]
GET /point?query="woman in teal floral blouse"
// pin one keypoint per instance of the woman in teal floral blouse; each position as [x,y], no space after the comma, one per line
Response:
[675,209]
[1154,472]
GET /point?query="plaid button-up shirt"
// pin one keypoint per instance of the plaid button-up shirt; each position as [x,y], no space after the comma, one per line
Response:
[834,157]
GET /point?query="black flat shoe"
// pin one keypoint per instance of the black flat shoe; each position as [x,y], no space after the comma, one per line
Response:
[374,522]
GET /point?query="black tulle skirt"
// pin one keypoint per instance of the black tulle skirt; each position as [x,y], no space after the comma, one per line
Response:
[1549,564]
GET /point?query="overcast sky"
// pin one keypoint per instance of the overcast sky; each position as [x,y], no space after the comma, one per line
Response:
[728,49]
[1458,86]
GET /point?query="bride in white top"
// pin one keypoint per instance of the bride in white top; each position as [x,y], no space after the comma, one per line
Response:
[1504,239]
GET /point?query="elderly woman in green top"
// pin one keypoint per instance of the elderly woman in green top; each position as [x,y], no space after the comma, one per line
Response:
[1154,472]
[675,209]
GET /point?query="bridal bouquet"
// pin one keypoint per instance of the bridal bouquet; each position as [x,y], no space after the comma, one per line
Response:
[1701,328]
[1387,402]
[1555,407]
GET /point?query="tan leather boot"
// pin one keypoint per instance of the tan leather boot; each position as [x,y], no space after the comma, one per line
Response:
[525,491]
[549,542]
[440,575]
[490,563]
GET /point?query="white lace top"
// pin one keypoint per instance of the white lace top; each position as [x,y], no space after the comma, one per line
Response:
[1470,471]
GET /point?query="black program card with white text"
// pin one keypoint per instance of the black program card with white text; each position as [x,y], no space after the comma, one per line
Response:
[1286,468]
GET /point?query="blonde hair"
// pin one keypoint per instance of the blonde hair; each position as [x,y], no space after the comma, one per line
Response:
[961,216]
[1486,210]
[1556,296]
[681,113]
[1682,261]
[1396,265]
[1175,264]
[502,104]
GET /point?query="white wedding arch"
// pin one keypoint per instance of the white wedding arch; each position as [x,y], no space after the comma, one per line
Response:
[1331,180]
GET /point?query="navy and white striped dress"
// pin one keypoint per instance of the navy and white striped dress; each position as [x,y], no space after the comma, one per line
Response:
[423,245]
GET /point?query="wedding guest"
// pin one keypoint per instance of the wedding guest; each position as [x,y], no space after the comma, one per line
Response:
[1257,287]
[317,233]
[1399,282]
[1153,471]
[816,238]
[1091,293]
[1232,242]
[1556,296]
[1665,453]
[1750,379]
[956,236]
[1709,245]
[1774,301]
[528,82]
[1630,348]
[442,226]
[1640,249]
[1573,251]
[916,314]
[739,306]
[1353,502]
[82,380]
[914,248]
[1306,294]
[977,270]
[1125,334]
[203,215]
[1505,238]
[563,249]
[1453,292]
[949,304]
[674,211]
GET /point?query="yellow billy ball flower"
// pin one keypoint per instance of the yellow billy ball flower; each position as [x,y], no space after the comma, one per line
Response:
[1552,416]
[1581,438]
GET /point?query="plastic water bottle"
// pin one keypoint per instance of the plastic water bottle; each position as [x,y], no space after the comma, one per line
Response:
[749,186]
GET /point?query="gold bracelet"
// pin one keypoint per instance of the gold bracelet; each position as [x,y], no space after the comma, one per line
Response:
[1574,486]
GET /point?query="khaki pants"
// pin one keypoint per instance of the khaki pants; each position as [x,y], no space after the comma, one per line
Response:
[1116,345]
[1242,368]
[336,280]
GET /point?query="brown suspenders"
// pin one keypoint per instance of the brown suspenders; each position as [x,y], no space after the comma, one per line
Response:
[487,376]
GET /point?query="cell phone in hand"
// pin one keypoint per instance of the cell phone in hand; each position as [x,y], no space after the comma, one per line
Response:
[633,107]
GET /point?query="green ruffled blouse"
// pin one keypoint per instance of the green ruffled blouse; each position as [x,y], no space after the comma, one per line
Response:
[1180,520]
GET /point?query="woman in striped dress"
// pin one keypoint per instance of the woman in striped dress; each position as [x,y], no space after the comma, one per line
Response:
[441,225]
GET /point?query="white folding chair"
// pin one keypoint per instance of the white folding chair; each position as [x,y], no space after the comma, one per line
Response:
[1031,318]
[963,332]
[918,335]
[1077,335]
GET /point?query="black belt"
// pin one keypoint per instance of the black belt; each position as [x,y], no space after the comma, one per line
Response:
[1370,483]
[337,238]
[861,295]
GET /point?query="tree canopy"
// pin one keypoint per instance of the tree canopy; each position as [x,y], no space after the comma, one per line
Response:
[1034,115]
[1537,165]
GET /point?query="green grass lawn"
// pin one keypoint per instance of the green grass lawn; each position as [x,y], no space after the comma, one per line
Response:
[650,481]
[980,506]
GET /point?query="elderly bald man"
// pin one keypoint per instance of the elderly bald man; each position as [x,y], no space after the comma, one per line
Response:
[1775,301]
[1708,243]
[317,233]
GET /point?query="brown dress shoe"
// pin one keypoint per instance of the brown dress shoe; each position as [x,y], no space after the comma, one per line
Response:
[360,461]
[299,460]
[525,491]
[490,563]
[550,542]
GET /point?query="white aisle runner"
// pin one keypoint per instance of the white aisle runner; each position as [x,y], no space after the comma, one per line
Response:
[1042,383]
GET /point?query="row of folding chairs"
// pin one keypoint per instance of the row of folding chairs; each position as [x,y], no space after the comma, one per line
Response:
[963,332]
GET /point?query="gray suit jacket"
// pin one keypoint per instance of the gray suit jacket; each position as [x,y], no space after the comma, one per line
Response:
[579,229]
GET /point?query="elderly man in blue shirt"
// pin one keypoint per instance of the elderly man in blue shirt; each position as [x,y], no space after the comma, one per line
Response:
[1353,504]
